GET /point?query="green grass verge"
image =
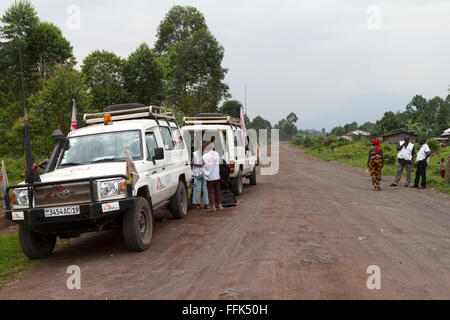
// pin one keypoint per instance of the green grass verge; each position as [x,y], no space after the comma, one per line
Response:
[12,260]
[355,155]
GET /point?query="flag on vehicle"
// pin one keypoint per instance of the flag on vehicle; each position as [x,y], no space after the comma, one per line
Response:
[3,179]
[132,173]
[74,123]
[244,131]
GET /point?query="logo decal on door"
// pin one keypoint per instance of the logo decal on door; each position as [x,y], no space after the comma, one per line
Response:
[159,185]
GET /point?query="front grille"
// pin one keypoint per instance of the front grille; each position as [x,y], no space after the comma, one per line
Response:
[62,194]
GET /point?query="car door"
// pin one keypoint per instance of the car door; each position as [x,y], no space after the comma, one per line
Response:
[170,171]
[154,169]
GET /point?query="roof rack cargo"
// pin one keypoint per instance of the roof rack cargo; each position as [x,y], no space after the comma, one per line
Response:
[150,112]
[219,119]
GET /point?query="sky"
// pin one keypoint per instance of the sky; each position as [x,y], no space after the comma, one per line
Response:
[331,62]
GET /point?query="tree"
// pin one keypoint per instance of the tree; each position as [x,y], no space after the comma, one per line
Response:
[103,74]
[389,122]
[18,23]
[292,117]
[143,75]
[53,103]
[231,108]
[179,25]
[48,48]
[443,116]
[195,74]
[260,123]
[287,131]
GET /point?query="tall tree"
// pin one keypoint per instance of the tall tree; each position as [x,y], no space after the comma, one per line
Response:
[48,48]
[143,75]
[179,25]
[103,74]
[17,25]
[195,74]
[292,117]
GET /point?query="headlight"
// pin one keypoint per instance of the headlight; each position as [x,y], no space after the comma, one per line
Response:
[21,197]
[111,188]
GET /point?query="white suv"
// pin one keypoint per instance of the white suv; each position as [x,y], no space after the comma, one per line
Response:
[87,188]
[229,141]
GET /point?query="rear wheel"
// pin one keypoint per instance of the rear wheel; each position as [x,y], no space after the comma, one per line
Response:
[35,245]
[179,202]
[253,177]
[137,225]
[237,184]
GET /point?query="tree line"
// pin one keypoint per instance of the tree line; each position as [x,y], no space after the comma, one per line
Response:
[182,71]
[426,118]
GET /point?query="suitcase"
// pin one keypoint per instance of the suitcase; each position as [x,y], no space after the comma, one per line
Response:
[228,198]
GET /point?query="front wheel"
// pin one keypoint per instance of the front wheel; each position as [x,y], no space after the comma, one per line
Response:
[137,225]
[179,202]
[35,245]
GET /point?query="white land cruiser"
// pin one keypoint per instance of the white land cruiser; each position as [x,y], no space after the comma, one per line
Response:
[229,142]
[87,188]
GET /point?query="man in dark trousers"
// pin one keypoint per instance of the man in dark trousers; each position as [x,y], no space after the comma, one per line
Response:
[405,158]
[423,158]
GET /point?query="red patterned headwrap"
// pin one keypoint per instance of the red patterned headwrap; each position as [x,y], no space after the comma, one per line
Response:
[377,143]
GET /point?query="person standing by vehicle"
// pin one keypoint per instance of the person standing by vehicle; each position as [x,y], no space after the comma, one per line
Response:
[199,180]
[211,172]
[423,158]
[375,163]
[405,158]
[43,164]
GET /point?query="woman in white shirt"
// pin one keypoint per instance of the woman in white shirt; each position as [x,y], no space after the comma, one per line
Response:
[211,172]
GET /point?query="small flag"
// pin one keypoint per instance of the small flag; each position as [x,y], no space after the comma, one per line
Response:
[3,179]
[244,131]
[74,123]
[131,169]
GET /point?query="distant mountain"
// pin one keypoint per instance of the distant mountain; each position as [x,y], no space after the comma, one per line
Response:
[362,108]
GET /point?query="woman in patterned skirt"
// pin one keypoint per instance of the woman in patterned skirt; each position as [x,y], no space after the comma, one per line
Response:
[375,163]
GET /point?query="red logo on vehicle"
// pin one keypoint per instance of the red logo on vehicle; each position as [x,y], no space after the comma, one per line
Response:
[58,191]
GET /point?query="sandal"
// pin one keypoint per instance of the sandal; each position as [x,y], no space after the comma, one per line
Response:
[197,206]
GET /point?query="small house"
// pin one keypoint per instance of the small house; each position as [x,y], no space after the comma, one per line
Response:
[397,136]
[351,134]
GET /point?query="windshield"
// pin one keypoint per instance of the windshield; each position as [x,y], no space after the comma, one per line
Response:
[103,147]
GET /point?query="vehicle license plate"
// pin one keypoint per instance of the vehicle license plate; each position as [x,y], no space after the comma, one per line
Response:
[62,211]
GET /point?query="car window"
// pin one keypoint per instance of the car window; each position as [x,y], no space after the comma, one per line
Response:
[151,143]
[102,147]
[177,138]
[167,138]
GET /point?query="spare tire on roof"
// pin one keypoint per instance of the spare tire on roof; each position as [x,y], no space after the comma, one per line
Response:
[124,106]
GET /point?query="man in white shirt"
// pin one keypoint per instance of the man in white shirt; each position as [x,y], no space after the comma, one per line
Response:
[211,172]
[405,158]
[423,158]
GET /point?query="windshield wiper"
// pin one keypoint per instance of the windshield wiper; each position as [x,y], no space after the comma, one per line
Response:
[71,164]
[108,160]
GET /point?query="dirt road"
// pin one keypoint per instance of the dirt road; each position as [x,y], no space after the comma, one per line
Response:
[309,232]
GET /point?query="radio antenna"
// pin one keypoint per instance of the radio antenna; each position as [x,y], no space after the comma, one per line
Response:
[29,161]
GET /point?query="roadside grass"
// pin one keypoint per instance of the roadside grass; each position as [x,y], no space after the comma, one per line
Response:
[12,260]
[355,155]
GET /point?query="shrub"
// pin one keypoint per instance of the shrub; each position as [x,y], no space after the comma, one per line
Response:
[433,144]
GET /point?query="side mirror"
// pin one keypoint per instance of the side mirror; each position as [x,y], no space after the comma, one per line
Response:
[159,154]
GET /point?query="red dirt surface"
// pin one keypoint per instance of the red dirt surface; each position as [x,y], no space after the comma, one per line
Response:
[309,232]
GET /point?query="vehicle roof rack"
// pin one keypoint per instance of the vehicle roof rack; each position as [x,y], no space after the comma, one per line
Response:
[150,112]
[227,120]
